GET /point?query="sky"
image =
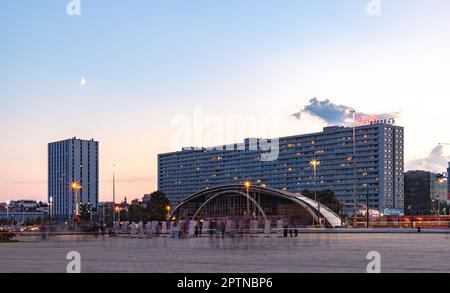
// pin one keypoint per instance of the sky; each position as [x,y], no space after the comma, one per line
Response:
[154,69]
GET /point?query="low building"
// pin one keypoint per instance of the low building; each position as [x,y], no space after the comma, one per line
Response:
[23,204]
[21,217]
[424,191]
[19,211]
[448,185]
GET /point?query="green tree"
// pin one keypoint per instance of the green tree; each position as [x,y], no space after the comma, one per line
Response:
[325,197]
[85,212]
[34,221]
[6,236]
[137,212]
[156,207]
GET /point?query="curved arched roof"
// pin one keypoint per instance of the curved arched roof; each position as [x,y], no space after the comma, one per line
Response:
[310,205]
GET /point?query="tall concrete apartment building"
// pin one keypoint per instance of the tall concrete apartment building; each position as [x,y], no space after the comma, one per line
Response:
[72,160]
[378,170]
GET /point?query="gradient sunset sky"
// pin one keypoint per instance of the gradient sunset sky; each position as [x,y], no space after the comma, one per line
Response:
[148,62]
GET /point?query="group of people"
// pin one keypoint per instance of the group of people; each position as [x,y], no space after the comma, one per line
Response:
[218,228]
[196,229]
[181,230]
[290,230]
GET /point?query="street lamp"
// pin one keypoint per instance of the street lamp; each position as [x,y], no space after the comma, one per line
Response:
[22,207]
[118,213]
[315,163]
[90,211]
[7,211]
[75,187]
[353,112]
[50,209]
[247,187]
[114,166]
[366,174]
[439,180]
[168,208]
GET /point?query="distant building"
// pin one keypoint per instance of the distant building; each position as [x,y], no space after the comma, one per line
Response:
[146,198]
[105,210]
[22,210]
[422,191]
[448,184]
[27,205]
[72,160]
[3,206]
[21,217]
[439,187]
[378,170]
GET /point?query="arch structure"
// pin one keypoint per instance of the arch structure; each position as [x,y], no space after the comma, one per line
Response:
[233,201]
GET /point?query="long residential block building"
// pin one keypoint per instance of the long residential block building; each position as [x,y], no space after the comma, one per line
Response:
[73,160]
[376,170]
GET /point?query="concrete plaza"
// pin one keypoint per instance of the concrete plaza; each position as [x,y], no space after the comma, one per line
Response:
[306,253]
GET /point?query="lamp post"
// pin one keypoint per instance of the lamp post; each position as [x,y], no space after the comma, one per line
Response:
[118,213]
[355,204]
[440,181]
[439,210]
[315,163]
[75,187]
[50,209]
[7,212]
[366,174]
[104,214]
[114,166]
[247,187]
[168,208]
[90,211]
[22,207]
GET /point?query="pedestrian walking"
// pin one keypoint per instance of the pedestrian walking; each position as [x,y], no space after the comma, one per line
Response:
[196,231]
[223,229]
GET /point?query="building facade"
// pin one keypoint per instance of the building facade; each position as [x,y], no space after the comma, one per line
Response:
[378,171]
[423,190]
[448,184]
[19,211]
[72,160]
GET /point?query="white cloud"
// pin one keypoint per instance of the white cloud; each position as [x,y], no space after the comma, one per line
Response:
[436,161]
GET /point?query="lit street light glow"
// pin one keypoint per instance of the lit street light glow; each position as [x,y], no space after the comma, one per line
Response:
[315,163]
[75,187]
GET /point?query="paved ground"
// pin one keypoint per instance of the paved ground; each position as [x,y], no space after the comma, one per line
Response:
[307,253]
